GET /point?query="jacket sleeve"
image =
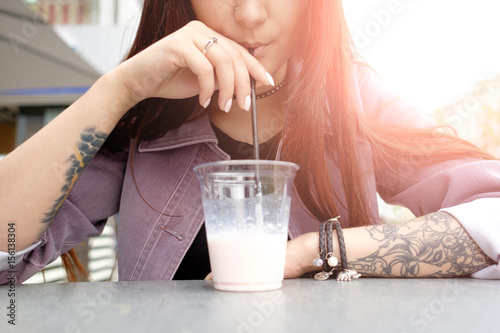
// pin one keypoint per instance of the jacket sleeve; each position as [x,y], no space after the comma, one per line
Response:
[468,189]
[94,198]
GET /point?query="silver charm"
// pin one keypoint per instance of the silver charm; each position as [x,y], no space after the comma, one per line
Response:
[322,276]
[332,260]
[348,275]
[354,274]
[318,262]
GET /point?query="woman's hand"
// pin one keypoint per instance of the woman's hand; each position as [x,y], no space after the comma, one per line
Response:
[300,253]
[175,67]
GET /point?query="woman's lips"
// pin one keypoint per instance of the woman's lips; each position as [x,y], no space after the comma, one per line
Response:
[257,48]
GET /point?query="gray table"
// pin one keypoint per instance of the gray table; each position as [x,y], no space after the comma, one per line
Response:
[303,305]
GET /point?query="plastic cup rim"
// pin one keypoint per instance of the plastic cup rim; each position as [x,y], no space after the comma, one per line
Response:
[292,165]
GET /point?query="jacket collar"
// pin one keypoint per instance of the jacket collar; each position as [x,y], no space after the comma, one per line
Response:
[197,130]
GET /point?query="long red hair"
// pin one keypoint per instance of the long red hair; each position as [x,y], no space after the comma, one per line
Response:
[322,112]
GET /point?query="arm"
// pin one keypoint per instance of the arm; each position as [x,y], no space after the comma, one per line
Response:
[94,198]
[472,184]
[434,245]
[38,176]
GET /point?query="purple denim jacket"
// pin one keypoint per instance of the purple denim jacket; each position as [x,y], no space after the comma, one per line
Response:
[151,245]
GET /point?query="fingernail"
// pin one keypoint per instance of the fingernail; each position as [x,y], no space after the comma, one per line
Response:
[270,79]
[248,103]
[207,103]
[228,105]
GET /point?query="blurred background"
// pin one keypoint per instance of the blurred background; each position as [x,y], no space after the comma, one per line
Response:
[441,55]
[51,52]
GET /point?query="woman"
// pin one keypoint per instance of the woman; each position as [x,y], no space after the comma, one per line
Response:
[171,107]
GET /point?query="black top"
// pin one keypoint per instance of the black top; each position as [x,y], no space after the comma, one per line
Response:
[196,263]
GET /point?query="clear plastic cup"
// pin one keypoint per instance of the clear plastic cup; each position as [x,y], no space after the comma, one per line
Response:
[247,208]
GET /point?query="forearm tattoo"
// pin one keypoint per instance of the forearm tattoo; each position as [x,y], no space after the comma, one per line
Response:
[439,248]
[91,140]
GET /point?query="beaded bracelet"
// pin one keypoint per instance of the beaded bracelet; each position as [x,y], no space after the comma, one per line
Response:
[326,257]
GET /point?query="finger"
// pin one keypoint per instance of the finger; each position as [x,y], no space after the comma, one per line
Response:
[222,60]
[240,74]
[243,65]
[241,80]
[255,68]
[209,276]
[232,79]
[204,71]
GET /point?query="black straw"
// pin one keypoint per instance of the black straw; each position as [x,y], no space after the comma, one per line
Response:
[254,117]
[258,184]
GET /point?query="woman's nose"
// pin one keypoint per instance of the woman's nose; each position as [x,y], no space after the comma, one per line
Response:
[251,13]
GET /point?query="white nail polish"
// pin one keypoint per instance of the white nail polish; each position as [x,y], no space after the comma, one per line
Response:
[270,79]
[228,105]
[207,103]
[248,103]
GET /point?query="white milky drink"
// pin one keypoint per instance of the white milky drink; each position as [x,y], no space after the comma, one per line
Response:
[247,242]
[247,262]
[246,206]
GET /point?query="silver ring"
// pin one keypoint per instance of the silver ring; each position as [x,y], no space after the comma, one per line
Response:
[209,43]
